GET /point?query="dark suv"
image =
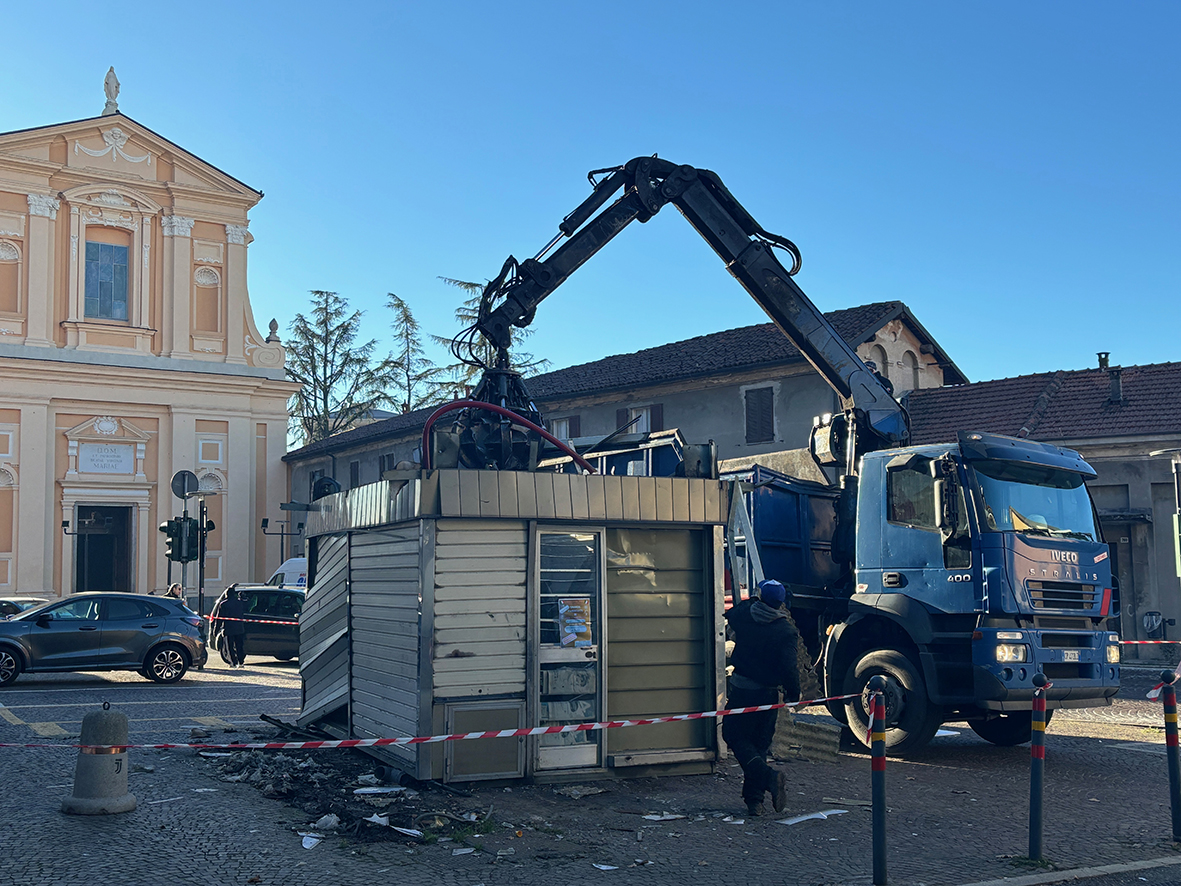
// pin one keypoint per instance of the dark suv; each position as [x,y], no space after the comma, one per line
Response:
[157,636]
[272,622]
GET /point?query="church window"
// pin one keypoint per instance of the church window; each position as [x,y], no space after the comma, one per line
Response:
[106,281]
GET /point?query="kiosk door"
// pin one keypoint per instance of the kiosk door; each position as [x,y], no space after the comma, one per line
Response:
[570,625]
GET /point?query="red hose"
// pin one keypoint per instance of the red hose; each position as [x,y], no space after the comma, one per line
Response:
[499,410]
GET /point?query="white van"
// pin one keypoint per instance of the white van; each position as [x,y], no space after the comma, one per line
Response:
[292,574]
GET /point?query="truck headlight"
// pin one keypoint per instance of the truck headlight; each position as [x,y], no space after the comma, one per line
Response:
[1113,654]
[1008,653]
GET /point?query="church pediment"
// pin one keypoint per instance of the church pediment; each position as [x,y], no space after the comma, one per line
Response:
[107,428]
[119,147]
[108,446]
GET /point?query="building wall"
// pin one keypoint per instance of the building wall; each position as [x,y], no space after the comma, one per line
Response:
[1134,493]
[98,412]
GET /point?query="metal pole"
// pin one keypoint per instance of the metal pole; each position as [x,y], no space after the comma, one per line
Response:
[203,513]
[184,566]
[1037,766]
[1169,696]
[877,713]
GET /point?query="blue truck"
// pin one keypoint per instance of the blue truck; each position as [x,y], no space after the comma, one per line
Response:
[957,571]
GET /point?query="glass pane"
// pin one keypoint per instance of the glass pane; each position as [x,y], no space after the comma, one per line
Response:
[119,255]
[92,252]
[92,307]
[106,271]
[105,252]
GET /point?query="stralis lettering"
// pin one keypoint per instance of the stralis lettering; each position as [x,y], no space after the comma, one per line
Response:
[106,458]
[1064,556]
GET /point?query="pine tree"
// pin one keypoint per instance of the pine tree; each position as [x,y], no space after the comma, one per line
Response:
[341,382]
[416,382]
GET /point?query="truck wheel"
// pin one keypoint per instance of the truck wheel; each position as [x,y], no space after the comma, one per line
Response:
[911,719]
[1006,730]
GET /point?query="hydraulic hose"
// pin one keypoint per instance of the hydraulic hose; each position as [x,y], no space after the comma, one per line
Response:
[499,410]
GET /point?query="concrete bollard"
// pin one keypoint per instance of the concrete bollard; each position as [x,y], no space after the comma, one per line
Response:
[100,778]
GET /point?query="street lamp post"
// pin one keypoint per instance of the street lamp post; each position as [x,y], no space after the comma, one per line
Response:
[282,533]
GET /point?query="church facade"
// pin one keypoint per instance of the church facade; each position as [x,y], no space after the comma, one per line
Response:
[128,352]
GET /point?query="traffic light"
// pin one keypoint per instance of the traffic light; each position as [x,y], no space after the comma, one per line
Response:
[171,529]
[190,544]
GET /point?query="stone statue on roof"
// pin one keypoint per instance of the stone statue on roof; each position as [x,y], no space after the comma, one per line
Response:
[111,88]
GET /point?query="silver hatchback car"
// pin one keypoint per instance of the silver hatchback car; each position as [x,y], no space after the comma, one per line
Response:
[158,636]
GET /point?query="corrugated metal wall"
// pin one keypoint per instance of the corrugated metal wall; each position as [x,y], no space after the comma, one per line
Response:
[659,660]
[323,631]
[479,635]
[385,585]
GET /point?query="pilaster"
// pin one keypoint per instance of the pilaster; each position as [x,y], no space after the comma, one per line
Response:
[35,533]
[178,272]
[42,213]
[236,293]
[238,551]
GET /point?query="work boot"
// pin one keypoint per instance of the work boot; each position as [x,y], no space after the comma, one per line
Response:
[753,809]
[779,792]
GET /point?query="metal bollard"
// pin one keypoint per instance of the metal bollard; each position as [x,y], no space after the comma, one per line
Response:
[1169,697]
[877,719]
[1037,766]
[100,778]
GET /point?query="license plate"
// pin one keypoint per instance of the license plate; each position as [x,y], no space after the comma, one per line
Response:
[1070,655]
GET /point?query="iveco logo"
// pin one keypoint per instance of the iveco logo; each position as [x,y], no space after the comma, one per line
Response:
[1064,556]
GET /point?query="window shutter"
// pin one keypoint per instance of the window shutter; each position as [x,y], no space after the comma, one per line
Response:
[354,474]
[621,418]
[760,415]
[656,417]
[575,426]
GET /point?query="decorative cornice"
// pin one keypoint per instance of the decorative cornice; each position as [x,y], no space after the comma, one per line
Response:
[178,226]
[115,139]
[44,205]
[236,234]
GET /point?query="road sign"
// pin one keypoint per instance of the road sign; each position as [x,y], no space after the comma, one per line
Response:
[184,484]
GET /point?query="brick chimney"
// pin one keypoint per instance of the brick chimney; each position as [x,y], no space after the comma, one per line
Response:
[1103,355]
[1116,398]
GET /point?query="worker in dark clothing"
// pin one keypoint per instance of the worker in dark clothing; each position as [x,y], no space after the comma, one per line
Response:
[764,659]
[233,628]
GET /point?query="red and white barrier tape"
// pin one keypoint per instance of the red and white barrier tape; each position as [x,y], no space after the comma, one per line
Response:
[1146,642]
[253,621]
[458,736]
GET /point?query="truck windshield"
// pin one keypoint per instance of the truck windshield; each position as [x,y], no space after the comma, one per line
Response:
[1033,499]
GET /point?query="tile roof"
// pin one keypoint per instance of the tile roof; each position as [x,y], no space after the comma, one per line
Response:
[745,348]
[749,347]
[1061,405]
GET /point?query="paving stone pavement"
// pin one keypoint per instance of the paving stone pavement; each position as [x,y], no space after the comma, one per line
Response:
[958,815]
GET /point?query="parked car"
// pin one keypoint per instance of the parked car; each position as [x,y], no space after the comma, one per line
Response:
[17,605]
[157,636]
[272,617]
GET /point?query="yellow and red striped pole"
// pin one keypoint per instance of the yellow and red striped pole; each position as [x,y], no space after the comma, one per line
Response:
[877,736]
[1037,766]
[1169,697]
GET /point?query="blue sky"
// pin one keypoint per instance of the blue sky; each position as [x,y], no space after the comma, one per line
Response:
[1009,170]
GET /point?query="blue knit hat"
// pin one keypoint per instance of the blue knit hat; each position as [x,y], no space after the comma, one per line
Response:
[772,593]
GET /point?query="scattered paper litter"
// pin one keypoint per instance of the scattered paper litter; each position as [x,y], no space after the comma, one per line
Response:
[463,850]
[842,801]
[409,832]
[730,819]
[367,791]
[327,822]
[204,790]
[607,867]
[813,815]
[947,732]
[383,820]
[368,779]
[578,791]
[310,840]
[212,754]
[505,853]
[169,800]
[662,816]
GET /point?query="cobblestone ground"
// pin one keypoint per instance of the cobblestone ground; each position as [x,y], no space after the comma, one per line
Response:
[958,814]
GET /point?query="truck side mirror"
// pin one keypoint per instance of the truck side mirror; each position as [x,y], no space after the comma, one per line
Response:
[947,498]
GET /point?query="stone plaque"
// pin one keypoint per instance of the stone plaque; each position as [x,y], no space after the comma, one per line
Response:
[106,458]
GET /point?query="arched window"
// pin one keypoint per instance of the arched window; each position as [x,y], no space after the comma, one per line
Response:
[10,277]
[878,355]
[910,367]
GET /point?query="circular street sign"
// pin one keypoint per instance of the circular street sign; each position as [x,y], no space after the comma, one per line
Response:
[184,484]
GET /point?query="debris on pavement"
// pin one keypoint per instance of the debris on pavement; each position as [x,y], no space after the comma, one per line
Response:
[662,816]
[310,840]
[818,816]
[578,791]
[327,822]
[607,867]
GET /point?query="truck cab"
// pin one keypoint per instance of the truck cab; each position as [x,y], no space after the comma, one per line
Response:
[978,564]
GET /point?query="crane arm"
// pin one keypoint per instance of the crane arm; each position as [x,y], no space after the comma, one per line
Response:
[648,184]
